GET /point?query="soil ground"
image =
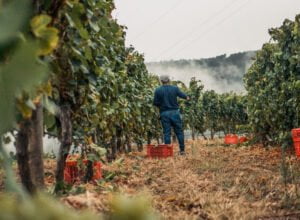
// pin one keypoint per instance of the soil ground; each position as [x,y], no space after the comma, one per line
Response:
[212,181]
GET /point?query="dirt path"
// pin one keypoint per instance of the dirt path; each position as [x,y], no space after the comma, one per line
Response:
[211,182]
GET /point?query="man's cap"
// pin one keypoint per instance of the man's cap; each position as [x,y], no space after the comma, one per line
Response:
[164,78]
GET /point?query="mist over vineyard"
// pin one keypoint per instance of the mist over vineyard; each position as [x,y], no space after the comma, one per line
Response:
[222,73]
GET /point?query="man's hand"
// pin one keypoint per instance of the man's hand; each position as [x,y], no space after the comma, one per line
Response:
[188,98]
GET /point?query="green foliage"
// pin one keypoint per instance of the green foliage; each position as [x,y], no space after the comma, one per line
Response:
[125,208]
[210,111]
[40,207]
[44,207]
[272,83]
[107,85]
[48,36]
[193,111]
[20,71]
[16,14]
[233,112]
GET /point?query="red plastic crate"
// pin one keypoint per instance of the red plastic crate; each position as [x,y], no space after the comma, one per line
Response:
[96,170]
[231,139]
[72,172]
[296,134]
[243,139]
[159,151]
[297,148]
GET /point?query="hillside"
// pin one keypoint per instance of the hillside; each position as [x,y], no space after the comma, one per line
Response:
[222,73]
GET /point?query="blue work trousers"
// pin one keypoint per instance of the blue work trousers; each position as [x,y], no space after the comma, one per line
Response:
[171,119]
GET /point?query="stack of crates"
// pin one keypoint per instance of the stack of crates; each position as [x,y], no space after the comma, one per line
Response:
[159,151]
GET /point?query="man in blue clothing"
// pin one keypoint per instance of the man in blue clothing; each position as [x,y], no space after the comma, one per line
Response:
[165,98]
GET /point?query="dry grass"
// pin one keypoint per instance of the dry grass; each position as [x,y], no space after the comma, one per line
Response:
[212,182]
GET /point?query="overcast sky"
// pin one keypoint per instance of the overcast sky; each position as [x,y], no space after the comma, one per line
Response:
[173,29]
